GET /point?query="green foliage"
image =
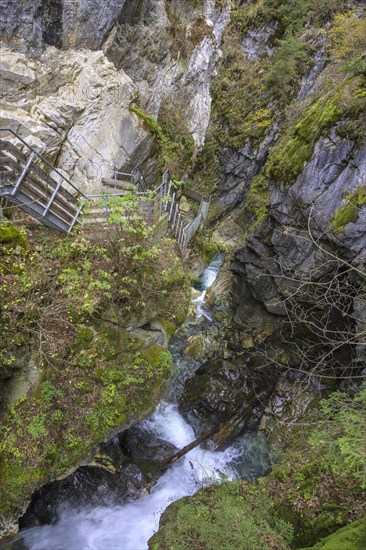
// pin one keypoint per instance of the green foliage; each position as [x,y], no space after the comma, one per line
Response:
[226,517]
[341,433]
[49,392]
[37,426]
[176,144]
[350,211]
[291,15]
[352,536]
[348,41]
[289,63]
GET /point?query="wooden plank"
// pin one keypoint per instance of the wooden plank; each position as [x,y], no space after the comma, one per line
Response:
[39,171]
[39,186]
[109,182]
[36,195]
[68,206]
[192,194]
[7,146]
[13,164]
[53,183]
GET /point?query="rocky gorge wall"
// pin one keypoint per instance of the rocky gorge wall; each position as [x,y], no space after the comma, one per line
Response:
[280,129]
[71,71]
[71,100]
[288,174]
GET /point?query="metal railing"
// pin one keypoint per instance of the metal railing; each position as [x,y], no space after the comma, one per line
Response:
[60,200]
[164,199]
[28,180]
[36,154]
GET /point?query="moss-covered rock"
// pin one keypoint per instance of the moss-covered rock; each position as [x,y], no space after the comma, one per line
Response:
[352,536]
[223,516]
[11,237]
[349,212]
[96,377]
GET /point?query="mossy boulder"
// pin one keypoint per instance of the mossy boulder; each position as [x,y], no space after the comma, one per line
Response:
[352,536]
[103,387]
[11,237]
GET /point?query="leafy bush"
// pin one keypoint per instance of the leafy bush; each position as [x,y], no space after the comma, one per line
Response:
[348,41]
[288,64]
[341,433]
[226,517]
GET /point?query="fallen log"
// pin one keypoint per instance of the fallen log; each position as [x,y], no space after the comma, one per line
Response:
[164,464]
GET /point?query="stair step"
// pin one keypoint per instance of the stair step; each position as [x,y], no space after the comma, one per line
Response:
[94,221]
[124,184]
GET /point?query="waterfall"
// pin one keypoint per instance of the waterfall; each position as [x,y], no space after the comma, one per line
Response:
[129,526]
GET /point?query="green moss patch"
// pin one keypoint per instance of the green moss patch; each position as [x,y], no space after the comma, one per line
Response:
[350,211]
[10,236]
[352,536]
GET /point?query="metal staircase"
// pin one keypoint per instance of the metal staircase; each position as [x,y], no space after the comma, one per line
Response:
[29,181]
[35,186]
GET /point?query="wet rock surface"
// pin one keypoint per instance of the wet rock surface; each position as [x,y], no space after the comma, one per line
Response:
[88,486]
[122,471]
[139,443]
[227,397]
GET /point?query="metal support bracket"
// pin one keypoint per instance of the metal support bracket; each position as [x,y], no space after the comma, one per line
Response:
[23,174]
[52,197]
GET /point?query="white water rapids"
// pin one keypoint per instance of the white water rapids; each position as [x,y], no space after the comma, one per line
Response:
[129,526]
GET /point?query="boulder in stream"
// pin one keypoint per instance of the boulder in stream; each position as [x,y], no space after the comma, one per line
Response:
[88,486]
[228,397]
[138,443]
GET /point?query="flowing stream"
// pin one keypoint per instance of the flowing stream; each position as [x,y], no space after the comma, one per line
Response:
[129,526]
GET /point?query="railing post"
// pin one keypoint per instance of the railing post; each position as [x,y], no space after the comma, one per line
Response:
[168,195]
[23,174]
[175,216]
[179,227]
[45,212]
[161,199]
[171,207]
[76,216]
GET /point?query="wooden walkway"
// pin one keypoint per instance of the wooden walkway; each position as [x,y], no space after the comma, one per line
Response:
[35,186]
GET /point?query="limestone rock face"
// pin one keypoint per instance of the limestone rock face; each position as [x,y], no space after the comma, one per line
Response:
[67,100]
[73,108]
[170,50]
[60,23]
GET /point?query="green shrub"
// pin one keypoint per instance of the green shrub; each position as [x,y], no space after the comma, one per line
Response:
[289,62]
[226,517]
[341,433]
